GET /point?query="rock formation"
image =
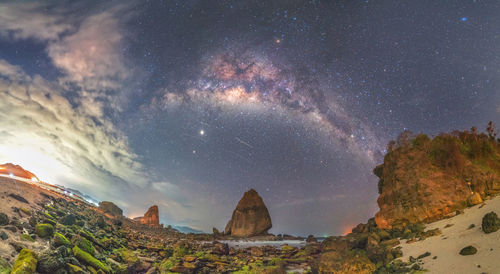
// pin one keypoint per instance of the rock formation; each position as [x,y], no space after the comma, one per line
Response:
[250,218]
[18,171]
[150,218]
[422,180]
[110,208]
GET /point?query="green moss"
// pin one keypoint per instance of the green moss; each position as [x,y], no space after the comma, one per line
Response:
[60,240]
[74,269]
[86,246]
[126,256]
[4,266]
[88,259]
[48,215]
[25,262]
[26,237]
[26,211]
[165,265]
[50,221]
[44,230]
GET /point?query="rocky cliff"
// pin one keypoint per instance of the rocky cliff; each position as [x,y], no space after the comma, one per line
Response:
[250,218]
[423,179]
[150,218]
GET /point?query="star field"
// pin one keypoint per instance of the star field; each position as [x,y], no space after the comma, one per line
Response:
[187,104]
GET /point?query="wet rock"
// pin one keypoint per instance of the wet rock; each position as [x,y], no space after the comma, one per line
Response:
[60,240]
[69,219]
[51,261]
[10,228]
[3,236]
[311,239]
[468,250]
[220,248]
[19,198]
[4,219]
[490,223]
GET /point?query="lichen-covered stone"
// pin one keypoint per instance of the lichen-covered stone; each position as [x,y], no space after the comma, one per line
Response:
[87,259]
[60,240]
[25,263]
[44,230]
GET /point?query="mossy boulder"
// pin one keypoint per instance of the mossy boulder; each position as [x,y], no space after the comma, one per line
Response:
[87,259]
[491,222]
[25,263]
[60,240]
[44,230]
[85,245]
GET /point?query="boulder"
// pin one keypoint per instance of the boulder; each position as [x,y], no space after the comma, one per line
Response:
[25,263]
[4,219]
[474,199]
[250,218]
[468,250]
[150,218]
[490,223]
[110,208]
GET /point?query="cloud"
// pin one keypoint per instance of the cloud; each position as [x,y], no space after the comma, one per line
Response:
[24,21]
[41,129]
[92,56]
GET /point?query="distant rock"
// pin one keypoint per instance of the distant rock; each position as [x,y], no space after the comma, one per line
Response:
[150,218]
[110,208]
[250,218]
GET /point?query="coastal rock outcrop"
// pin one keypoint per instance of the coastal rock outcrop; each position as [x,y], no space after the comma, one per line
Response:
[150,218]
[110,208]
[18,171]
[250,218]
[423,179]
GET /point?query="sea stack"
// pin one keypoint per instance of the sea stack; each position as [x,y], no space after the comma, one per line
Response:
[250,218]
[150,218]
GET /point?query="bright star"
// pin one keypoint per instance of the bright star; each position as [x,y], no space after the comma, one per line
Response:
[464,19]
[202,132]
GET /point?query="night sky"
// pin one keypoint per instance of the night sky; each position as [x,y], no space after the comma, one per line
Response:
[188,104]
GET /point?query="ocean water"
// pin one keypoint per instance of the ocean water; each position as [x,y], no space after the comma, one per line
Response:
[244,244]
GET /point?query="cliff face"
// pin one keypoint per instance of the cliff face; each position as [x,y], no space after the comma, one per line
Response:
[422,180]
[16,170]
[250,218]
